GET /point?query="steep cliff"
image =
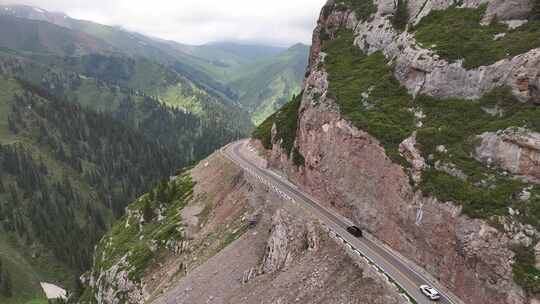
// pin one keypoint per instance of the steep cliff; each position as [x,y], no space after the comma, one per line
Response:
[419,121]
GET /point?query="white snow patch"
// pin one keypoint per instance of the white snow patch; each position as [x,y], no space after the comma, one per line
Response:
[39,10]
[53,292]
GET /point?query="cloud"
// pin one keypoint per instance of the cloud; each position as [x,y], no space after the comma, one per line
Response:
[277,22]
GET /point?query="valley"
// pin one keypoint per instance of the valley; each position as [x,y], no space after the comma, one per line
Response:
[93,116]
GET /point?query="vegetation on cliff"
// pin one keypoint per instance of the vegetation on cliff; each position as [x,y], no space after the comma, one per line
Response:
[524,270]
[483,192]
[535,13]
[367,92]
[401,16]
[142,228]
[454,124]
[151,226]
[362,9]
[456,33]
[286,122]
[168,232]
[371,98]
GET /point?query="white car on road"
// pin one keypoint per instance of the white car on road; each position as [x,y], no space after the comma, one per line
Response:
[430,292]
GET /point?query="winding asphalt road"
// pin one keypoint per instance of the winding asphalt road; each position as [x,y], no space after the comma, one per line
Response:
[394,268]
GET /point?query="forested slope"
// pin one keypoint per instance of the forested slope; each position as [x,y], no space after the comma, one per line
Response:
[84,131]
[91,116]
[65,173]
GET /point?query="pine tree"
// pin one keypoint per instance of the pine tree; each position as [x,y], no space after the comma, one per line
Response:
[401,16]
[5,281]
[148,212]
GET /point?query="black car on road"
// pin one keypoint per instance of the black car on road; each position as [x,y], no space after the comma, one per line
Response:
[357,232]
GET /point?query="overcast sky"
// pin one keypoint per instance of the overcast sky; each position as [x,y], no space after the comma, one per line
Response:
[275,22]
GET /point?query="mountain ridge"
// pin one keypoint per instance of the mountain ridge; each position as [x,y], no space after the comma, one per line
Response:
[172,106]
[209,65]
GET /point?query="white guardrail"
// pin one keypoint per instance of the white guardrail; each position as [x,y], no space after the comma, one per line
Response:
[331,232]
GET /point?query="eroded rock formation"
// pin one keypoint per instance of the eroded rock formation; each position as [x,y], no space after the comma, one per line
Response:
[515,150]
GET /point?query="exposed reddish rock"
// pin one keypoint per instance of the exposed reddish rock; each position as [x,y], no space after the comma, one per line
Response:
[408,150]
[347,169]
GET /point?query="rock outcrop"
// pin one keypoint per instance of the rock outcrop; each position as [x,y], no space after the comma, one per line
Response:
[349,170]
[287,241]
[424,72]
[408,150]
[114,286]
[515,150]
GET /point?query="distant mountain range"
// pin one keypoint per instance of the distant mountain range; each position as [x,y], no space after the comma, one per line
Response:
[91,116]
[217,67]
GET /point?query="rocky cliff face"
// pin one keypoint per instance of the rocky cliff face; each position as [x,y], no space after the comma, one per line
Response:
[516,150]
[349,169]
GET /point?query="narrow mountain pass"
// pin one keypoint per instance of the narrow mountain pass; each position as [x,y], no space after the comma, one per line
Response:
[392,265]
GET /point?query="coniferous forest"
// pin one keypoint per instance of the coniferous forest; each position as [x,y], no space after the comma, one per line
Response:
[94,116]
[71,169]
[5,281]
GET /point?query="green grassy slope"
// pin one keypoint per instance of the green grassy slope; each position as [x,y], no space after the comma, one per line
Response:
[204,70]
[266,85]
[105,121]
[188,137]
[456,33]
[209,66]
[225,57]
[65,172]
